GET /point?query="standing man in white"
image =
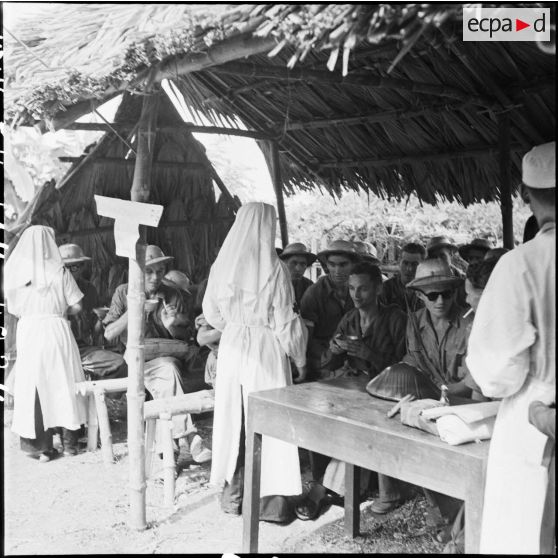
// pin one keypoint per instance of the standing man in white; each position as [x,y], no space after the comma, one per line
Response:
[511,355]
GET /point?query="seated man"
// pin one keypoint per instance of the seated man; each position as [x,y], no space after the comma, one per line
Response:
[297,258]
[437,337]
[475,250]
[395,291]
[166,321]
[326,301]
[370,337]
[98,363]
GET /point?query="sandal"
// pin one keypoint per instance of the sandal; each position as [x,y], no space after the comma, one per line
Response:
[313,502]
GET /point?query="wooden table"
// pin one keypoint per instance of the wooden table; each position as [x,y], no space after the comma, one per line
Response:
[338,418]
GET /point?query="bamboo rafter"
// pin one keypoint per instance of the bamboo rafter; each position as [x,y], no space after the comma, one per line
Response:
[365,80]
[478,151]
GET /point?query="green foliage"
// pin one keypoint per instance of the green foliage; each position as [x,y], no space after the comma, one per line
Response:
[389,223]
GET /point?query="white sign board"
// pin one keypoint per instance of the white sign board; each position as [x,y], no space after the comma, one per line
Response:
[128,216]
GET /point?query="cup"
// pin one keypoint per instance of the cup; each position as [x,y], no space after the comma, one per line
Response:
[101,312]
[151,304]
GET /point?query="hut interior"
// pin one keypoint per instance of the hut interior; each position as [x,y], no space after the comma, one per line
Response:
[381,97]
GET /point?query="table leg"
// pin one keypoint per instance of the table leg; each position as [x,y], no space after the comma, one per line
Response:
[251,499]
[473,513]
[104,426]
[92,423]
[352,500]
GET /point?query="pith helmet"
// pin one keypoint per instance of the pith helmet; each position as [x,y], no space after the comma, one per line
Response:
[434,273]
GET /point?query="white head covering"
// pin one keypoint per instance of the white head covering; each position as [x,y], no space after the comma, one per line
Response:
[247,258]
[35,259]
[539,166]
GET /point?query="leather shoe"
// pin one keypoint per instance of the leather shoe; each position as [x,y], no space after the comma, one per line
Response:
[313,502]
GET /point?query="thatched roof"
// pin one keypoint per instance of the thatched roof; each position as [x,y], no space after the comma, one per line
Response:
[407,106]
[194,221]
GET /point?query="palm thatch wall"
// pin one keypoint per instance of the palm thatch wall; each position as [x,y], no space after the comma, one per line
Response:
[194,222]
[385,97]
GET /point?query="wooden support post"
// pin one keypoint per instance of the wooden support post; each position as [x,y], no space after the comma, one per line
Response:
[92,423]
[352,500]
[104,426]
[505,180]
[136,323]
[169,466]
[150,448]
[278,187]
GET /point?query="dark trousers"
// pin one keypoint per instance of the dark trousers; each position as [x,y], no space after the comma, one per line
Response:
[279,509]
[42,443]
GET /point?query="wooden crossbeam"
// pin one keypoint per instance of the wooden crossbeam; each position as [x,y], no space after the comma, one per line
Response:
[361,79]
[373,117]
[480,151]
[102,127]
[193,167]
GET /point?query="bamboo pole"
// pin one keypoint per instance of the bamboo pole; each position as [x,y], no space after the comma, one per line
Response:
[222,130]
[136,323]
[476,151]
[505,178]
[362,79]
[169,465]
[104,426]
[278,187]
[92,423]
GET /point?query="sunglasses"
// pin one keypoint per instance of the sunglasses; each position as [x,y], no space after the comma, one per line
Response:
[434,295]
[74,267]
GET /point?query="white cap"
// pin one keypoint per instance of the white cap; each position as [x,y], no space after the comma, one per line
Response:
[539,166]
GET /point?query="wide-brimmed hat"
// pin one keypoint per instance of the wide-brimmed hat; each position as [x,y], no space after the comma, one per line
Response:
[178,279]
[154,255]
[439,242]
[538,167]
[481,244]
[340,248]
[434,273]
[367,251]
[298,249]
[72,254]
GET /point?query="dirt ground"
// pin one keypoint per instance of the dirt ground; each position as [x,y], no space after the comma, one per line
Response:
[78,505]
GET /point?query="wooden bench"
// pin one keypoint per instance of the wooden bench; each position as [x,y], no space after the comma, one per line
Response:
[97,412]
[163,410]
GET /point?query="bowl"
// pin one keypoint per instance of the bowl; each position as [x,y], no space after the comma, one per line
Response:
[101,312]
[151,304]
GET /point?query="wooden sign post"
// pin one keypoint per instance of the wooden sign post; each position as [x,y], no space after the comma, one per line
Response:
[129,215]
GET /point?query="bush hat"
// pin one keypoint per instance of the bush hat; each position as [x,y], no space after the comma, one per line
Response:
[72,254]
[179,279]
[439,242]
[154,255]
[434,273]
[538,167]
[367,251]
[482,244]
[298,249]
[340,248]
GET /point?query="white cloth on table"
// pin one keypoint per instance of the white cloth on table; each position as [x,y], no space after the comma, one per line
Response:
[260,332]
[48,358]
[512,354]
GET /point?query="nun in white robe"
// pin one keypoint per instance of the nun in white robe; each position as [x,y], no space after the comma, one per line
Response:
[250,299]
[39,291]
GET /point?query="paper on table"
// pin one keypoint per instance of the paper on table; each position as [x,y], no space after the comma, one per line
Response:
[467,413]
[454,431]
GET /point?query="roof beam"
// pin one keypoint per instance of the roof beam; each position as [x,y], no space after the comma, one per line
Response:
[478,151]
[371,118]
[364,80]
[101,127]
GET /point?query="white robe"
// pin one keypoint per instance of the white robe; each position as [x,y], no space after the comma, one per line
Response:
[259,333]
[47,357]
[511,355]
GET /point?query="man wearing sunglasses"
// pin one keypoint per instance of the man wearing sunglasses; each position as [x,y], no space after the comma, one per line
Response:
[437,334]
